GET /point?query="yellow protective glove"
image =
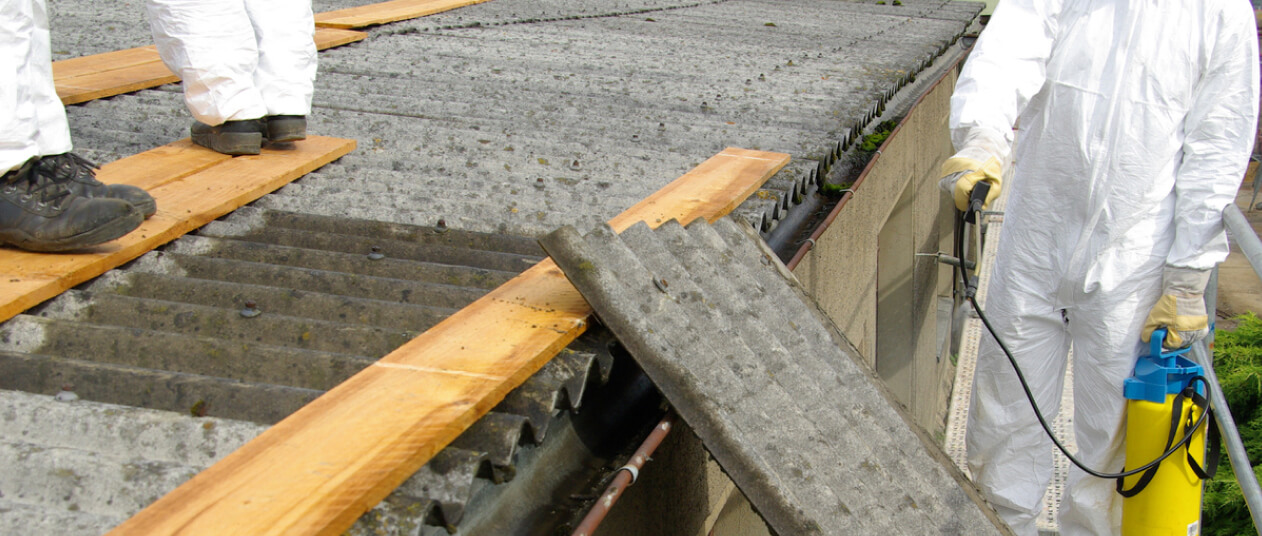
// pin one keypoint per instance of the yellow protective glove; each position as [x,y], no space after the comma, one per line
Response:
[970,173]
[1181,308]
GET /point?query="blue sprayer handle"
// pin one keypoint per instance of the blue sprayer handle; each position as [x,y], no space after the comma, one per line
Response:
[1160,373]
[1156,345]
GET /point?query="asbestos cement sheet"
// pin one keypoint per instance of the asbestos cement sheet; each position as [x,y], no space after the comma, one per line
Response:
[775,392]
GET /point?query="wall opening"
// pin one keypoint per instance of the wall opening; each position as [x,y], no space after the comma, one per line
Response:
[895,300]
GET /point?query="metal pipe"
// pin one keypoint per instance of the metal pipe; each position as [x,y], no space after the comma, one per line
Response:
[1244,236]
[1202,354]
[1231,437]
[625,477]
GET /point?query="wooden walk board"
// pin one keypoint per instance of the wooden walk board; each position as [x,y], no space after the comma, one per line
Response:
[384,12]
[113,73]
[192,186]
[319,469]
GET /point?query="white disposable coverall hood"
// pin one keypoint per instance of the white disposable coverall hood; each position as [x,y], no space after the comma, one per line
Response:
[238,59]
[32,118]
[1136,119]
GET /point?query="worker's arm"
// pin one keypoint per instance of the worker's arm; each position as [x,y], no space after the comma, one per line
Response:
[1006,68]
[1219,133]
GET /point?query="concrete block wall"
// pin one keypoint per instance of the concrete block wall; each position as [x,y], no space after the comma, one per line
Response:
[841,271]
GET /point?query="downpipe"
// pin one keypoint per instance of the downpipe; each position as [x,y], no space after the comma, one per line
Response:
[625,477]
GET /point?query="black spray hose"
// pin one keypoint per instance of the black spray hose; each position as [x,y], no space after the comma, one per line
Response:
[970,291]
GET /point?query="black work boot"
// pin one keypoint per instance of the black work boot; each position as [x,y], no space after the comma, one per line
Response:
[232,137]
[283,128]
[80,175]
[38,213]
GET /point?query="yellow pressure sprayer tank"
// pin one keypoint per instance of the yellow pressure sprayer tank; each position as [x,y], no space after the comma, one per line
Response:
[1164,400]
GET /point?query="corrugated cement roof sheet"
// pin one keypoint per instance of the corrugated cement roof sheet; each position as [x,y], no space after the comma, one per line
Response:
[774,390]
[519,116]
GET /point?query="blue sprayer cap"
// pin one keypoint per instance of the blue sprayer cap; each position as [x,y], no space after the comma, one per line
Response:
[1160,373]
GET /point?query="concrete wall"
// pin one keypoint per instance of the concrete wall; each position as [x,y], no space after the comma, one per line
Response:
[874,267]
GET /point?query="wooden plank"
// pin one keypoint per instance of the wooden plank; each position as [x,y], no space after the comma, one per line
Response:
[698,194]
[384,12]
[326,38]
[114,73]
[108,61]
[184,203]
[162,165]
[319,469]
[111,82]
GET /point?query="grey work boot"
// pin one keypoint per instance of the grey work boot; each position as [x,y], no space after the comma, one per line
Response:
[283,128]
[38,213]
[232,137]
[80,175]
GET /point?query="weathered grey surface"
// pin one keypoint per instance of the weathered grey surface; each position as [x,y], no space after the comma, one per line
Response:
[775,392]
[166,333]
[80,467]
[507,115]
[331,295]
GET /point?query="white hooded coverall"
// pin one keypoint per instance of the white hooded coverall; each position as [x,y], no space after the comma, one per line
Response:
[238,59]
[1136,119]
[32,118]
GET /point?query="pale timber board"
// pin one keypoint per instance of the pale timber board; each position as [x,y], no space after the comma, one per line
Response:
[107,61]
[185,200]
[384,12]
[319,469]
[161,165]
[335,37]
[108,83]
[113,73]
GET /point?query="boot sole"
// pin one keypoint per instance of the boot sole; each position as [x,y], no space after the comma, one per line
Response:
[146,208]
[286,131]
[231,143]
[287,138]
[111,230]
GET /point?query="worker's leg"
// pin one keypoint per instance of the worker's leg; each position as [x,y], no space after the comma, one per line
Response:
[1009,455]
[1106,330]
[54,130]
[211,45]
[287,54]
[32,118]
[38,210]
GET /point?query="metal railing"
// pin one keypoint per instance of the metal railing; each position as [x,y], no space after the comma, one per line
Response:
[1248,242]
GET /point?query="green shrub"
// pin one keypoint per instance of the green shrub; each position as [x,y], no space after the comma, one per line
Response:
[1238,363]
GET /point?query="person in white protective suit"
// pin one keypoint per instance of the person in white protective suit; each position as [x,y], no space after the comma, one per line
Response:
[50,199]
[248,67]
[1135,122]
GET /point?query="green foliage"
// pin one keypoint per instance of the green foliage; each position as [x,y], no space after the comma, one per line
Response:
[873,141]
[1238,363]
[857,156]
[834,189]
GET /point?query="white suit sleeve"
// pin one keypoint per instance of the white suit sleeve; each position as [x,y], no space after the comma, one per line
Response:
[1006,68]
[1219,133]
